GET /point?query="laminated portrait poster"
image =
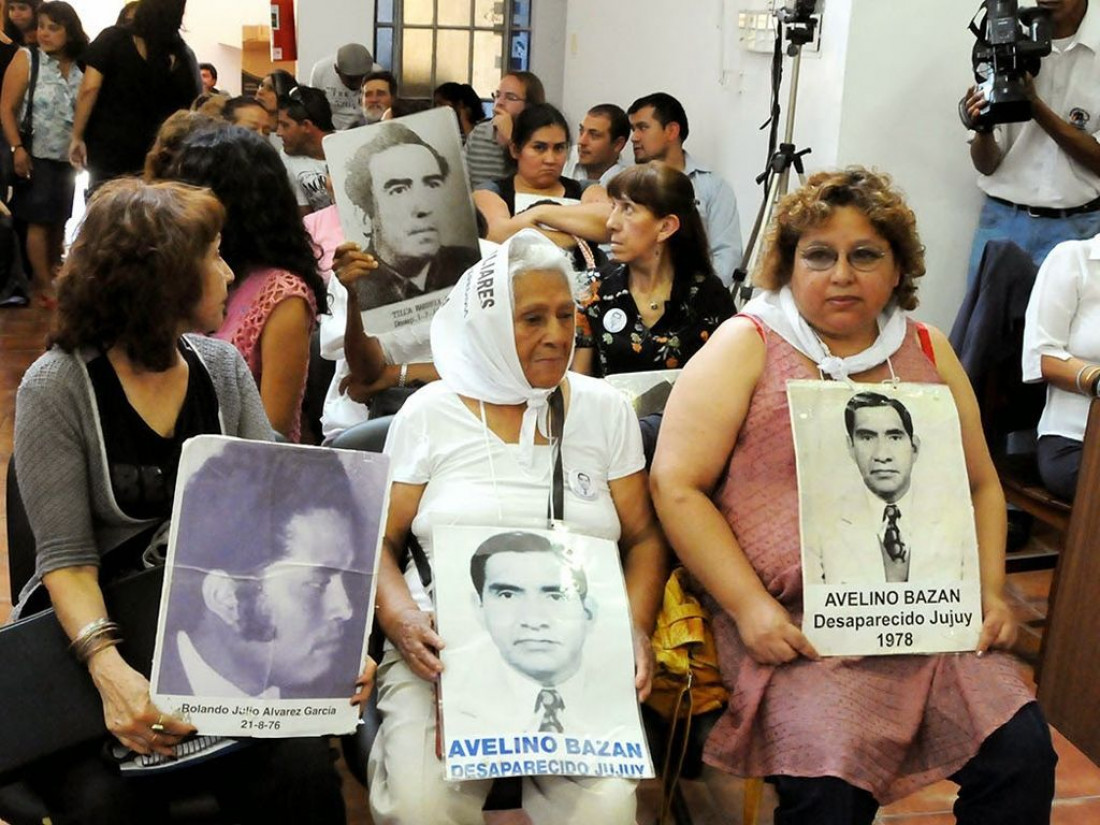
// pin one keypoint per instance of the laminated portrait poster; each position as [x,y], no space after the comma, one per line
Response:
[889,550]
[269,587]
[538,672]
[403,194]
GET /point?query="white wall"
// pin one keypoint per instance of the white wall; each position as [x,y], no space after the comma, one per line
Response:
[326,25]
[882,91]
[908,65]
[212,28]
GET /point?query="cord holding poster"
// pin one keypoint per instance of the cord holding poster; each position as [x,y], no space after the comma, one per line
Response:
[268,587]
[889,548]
[538,672]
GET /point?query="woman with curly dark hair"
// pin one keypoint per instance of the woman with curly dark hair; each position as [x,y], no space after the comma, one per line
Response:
[838,736]
[101,419]
[274,302]
[136,76]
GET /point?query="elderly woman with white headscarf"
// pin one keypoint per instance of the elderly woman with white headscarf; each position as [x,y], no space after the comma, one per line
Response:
[474,449]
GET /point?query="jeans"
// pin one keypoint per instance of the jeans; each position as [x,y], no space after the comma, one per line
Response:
[1010,781]
[1036,236]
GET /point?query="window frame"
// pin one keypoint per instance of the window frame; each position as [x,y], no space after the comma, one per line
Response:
[508,30]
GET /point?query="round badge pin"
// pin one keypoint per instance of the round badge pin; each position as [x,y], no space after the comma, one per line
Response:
[615,321]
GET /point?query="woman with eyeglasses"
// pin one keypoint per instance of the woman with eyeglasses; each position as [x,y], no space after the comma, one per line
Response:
[837,736]
[488,143]
[136,76]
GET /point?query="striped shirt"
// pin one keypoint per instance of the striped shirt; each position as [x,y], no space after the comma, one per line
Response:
[486,160]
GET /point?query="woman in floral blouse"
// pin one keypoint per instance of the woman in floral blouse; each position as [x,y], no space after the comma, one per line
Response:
[655,306]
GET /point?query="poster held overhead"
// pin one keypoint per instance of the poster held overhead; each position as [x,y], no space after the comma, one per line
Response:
[889,549]
[269,586]
[403,194]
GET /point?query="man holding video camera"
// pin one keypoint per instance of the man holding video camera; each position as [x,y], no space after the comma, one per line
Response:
[1042,176]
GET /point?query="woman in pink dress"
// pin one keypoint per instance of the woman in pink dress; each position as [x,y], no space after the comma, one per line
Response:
[275,299]
[837,736]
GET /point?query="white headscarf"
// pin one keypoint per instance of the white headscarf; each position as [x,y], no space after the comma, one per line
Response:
[777,309]
[474,342]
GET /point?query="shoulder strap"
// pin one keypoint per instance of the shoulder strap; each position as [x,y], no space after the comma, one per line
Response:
[28,116]
[555,507]
[926,342]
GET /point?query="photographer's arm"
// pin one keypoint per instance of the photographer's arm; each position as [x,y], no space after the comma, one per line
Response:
[985,152]
[1078,144]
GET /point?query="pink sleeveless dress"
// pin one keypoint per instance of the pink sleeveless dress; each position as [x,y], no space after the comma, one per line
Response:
[888,724]
[249,307]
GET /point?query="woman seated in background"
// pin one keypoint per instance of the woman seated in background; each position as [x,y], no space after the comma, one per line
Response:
[277,292]
[540,145]
[467,450]
[45,183]
[101,419]
[1062,347]
[659,302]
[464,100]
[837,736]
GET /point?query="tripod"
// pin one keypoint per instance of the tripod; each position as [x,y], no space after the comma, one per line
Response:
[777,172]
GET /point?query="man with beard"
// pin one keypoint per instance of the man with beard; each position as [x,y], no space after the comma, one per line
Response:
[397,180]
[378,94]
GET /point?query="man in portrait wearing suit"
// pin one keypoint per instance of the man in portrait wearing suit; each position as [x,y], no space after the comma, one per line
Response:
[532,599]
[398,181]
[889,531]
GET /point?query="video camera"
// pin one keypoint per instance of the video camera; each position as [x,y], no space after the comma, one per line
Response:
[1010,44]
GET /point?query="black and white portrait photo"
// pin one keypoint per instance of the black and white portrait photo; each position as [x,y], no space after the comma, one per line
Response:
[270,571]
[403,195]
[538,642]
[886,492]
[887,523]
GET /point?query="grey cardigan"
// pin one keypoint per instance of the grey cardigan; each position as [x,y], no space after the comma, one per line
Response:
[61,460]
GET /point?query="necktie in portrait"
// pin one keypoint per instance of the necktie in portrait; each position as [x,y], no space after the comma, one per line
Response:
[891,539]
[549,701]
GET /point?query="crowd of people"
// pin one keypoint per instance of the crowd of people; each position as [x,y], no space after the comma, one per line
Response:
[211,255]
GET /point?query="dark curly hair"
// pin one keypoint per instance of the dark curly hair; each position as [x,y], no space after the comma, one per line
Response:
[263,227]
[666,191]
[134,273]
[872,193]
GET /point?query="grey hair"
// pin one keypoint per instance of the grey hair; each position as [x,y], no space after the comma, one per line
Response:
[532,250]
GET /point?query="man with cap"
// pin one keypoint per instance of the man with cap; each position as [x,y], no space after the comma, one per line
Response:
[341,78]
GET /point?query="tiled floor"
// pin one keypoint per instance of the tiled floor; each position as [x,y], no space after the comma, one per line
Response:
[22,335]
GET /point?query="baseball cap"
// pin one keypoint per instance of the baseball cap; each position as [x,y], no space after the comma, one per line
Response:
[354,60]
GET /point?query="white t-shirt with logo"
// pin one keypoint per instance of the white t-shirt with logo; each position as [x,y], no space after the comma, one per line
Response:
[307,179]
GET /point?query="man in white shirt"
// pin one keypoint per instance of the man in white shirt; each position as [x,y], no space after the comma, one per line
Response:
[659,127]
[304,120]
[340,77]
[601,136]
[1042,177]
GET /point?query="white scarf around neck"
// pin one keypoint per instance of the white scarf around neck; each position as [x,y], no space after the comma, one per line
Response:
[474,344]
[777,309]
